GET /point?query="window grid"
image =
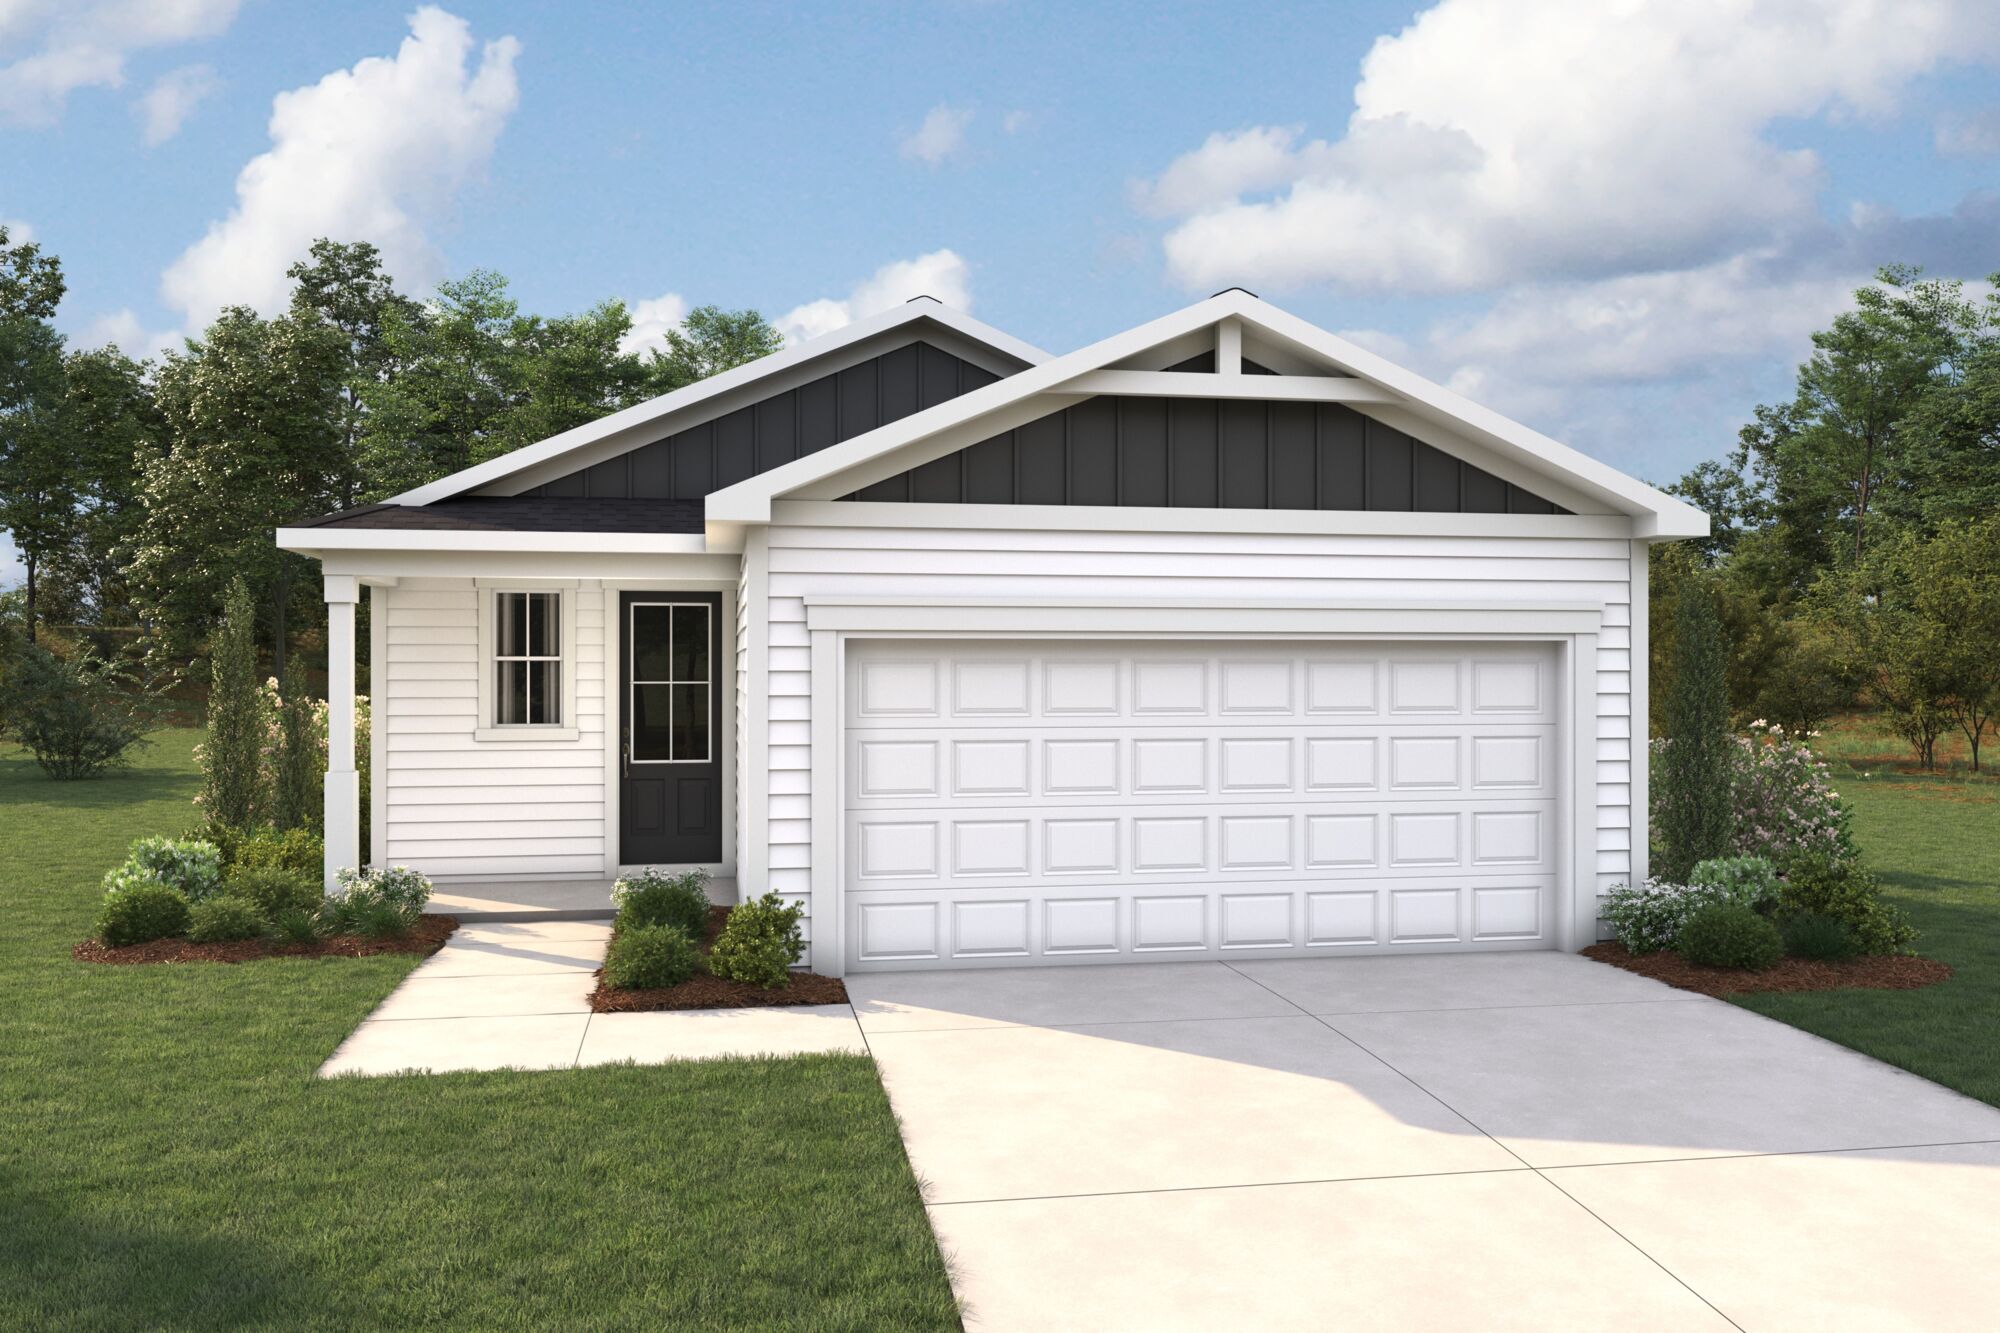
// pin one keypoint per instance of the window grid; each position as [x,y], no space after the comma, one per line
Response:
[527,659]
[686,723]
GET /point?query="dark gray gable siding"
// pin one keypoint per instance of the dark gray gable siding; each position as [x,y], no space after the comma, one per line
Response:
[773,432]
[1207,453]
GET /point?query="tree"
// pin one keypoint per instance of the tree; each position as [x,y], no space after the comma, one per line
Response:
[253,442]
[296,800]
[1891,640]
[344,286]
[233,785]
[1826,454]
[709,341]
[1953,436]
[37,492]
[110,427]
[1693,816]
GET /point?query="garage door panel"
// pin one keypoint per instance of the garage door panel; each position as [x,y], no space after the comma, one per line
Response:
[951,846]
[1051,803]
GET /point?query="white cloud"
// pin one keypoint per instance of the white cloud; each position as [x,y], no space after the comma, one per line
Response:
[1493,143]
[1974,134]
[172,99]
[941,274]
[374,153]
[1015,121]
[58,48]
[124,329]
[651,320]
[940,137]
[18,232]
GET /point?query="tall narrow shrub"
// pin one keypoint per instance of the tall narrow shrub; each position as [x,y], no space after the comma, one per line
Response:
[296,798]
[1693,807]
[234,776]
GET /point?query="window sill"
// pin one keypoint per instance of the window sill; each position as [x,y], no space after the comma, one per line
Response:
[525,733]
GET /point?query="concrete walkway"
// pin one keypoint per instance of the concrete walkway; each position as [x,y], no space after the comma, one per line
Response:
[516,995]
[1526,1141]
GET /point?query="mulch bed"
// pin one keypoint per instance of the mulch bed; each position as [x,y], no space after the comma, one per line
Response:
[1876,972]
[703,991]
[428,937]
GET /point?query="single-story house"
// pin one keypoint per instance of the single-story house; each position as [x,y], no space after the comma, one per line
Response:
[1222,637]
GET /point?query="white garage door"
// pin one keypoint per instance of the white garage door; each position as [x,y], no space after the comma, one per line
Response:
[1013,804]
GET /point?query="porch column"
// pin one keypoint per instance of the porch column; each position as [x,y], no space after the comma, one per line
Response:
[343,784]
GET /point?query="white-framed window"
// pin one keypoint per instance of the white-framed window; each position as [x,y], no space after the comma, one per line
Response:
[527,663]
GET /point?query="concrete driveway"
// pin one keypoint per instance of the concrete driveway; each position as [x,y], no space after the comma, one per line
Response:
[1491,1141]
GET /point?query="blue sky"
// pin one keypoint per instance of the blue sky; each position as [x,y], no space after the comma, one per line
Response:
[1617,223]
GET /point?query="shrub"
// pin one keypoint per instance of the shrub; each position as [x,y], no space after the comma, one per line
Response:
[1820,938]
[74,715]
[297,784]
[299,850]
[138,908]
[1750,881]
[398,885]
[1648,917]
[1692,808]
[225,917]
[1786,806]
[1819,886]
[296,925]
[1730,935]
[236,782]
[649,957]
[651,898]
[759,942]
[275,891]
[189,865]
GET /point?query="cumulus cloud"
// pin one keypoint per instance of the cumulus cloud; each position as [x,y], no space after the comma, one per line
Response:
[1492,143]
[59,48]
[18,232]
[941,273]
[941,136]
[1015,121]
[651,321]
[172,99]
[124,330]
[374,153]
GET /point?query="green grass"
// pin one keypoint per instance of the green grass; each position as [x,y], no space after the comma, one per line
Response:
[1934,839]
[168,1160]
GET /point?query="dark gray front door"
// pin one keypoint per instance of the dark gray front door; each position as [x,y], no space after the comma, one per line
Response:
[670,808]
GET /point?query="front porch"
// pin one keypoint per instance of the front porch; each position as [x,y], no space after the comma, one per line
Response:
[542,900]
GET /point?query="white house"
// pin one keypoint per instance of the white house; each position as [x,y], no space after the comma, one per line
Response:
[1220,637]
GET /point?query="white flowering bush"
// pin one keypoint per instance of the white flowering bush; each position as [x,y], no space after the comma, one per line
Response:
[1648,917]
[1786,806]
[399,886]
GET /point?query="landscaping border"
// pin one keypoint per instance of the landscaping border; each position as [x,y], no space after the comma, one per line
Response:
[427,937]
[707,991]
[1871,972]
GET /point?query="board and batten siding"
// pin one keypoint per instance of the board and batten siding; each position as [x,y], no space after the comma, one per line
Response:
[457,808]
[913,562]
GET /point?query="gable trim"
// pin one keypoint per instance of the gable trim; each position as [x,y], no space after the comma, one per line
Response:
[1078,518]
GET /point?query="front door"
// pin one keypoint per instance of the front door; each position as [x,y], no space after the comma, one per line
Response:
[670,751]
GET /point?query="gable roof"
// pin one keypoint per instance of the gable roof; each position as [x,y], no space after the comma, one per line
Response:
[1313,364]
[705,397]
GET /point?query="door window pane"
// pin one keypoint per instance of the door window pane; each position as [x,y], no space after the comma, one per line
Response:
[652,727]
[690,722]
[651,635]
[690,644]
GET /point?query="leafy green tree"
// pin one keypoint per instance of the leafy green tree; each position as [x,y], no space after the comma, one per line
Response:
[1826,455]
[296,798]
[1693,814]
[253,442]
[31,283]
[231,756]
[344,286]
[110,426]
[1953,435]
[1892,638]
[709,341]
[37,489]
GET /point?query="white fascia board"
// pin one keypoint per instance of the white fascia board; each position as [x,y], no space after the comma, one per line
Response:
[1670,516]
[749,501]
[1303,522]
[716,386]
[316,541]
[1197,617]
[638,570]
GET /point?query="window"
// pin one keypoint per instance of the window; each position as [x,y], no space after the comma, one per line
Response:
[669,709]
[527,659]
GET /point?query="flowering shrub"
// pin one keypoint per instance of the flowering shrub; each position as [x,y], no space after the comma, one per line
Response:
[1648,917]
[1786,806]
[1750,881]
[399,886]
[190,866]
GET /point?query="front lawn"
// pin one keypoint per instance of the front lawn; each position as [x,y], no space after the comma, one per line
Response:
[1935,842]
[168,1160]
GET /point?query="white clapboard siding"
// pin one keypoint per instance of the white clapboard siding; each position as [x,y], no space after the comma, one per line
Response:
[1051,564]
[460,808]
